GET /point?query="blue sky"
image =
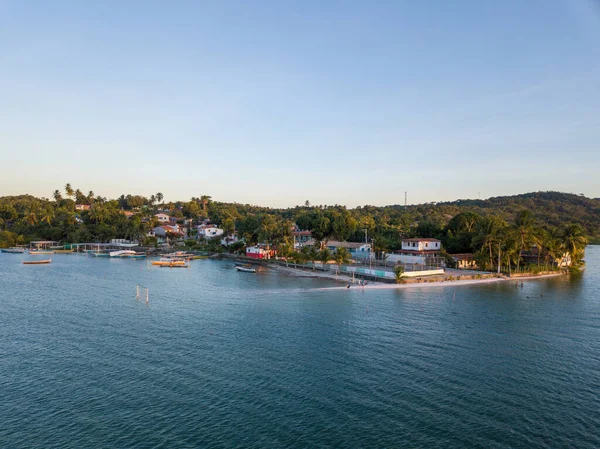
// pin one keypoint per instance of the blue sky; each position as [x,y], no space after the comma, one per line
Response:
[277,102]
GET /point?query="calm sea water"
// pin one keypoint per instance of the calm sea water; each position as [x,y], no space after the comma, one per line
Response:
[226,359]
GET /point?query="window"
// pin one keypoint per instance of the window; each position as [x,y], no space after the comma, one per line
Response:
[426,245]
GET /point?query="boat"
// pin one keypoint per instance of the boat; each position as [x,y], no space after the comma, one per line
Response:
[13,250]
[245,269]
[99,253]
[138,256]
[63,251]
[37,252]
[122,253]
[37,262]
[179,255]
[169,263]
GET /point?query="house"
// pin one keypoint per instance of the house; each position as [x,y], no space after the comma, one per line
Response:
[416,251]
[209,231]
[82,207]
[128,213]
[301,237]
[260,252]
[229,240]
[162,218]
[169,231]
[356,249]
[421,246]
[465,261]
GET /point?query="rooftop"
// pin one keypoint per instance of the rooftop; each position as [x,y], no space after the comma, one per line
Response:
[421,240]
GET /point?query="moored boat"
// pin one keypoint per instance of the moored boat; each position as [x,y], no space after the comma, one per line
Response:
[122,253]
[37,262]
[245,269]
[13,250]
[171,263]
[37,252]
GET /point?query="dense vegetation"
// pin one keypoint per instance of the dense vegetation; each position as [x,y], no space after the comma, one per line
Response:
[501,226]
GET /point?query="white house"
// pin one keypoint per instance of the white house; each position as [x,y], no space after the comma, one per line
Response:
[416,251]
[421,245]
[209,231]
[162,218]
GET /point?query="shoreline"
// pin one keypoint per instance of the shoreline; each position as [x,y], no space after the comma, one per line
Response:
[373,285]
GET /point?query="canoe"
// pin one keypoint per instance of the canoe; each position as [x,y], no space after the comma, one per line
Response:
[245,269]
[36,262]
[35,253]
[63,251]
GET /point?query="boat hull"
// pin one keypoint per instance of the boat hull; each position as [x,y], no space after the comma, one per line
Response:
[36,262]
[245,269]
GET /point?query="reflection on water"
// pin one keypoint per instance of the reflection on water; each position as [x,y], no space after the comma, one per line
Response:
[221,358]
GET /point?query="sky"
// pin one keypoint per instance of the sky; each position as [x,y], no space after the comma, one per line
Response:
[278,102]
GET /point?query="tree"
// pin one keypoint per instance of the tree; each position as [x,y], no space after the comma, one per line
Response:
[91,197]
[523,232]
[69,190]
[57,196]
[205,200]
[159,197]
[341,256]
[324,256]
[399,274]
[573,243]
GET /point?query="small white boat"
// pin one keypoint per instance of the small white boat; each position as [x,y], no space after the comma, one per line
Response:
[122,253]
[245,269]
[13,250]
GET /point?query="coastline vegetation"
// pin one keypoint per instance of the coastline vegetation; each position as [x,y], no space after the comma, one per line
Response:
[498,231]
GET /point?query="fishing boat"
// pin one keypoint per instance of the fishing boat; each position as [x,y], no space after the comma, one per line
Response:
[13,250]
[37,262]
[122,253]
[138,256]
[63,251]
[245,269]
[99,253]
[36,252]
[170,263]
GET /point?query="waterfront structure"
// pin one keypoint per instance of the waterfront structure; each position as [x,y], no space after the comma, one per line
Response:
[357,250]
[260,252]
[465,261]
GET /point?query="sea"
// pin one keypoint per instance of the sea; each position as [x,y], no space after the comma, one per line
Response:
[223,359]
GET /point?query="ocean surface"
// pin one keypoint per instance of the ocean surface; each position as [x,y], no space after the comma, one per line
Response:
[226,359]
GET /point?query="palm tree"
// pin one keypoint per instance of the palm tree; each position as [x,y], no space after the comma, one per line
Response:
[159,197]
[48,215]
[31,217]
[57,196]
[69,190]
[205,200]
[573,243]
[523,232]
[91,196]
[324,256]
[341,257]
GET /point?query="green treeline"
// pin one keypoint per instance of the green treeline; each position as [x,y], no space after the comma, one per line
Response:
[558,224]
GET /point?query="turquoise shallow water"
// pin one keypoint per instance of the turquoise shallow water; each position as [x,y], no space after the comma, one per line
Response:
[227,359]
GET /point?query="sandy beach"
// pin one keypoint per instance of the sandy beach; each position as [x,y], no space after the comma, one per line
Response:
[347,280]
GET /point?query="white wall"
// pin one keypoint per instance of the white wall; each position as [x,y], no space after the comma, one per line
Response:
[405,258]
[421,246]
